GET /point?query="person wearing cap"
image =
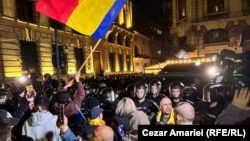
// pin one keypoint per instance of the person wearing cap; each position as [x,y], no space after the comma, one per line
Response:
[20,109]
[6,117]
[7,122]
[42,124]
[96,116]
[24,104]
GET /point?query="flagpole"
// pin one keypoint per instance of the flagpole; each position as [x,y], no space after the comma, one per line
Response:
[57,56]
[84,63]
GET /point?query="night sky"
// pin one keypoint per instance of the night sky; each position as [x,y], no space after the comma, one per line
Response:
[151,7]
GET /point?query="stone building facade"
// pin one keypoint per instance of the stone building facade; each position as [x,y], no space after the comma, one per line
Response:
[203,27]
[27,44]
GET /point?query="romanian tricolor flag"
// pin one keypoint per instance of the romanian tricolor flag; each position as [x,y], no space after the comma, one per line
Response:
[89,17]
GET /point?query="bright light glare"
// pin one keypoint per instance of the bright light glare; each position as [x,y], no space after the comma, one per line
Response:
[213,71]
[197,63]
[22,79]
[214,58]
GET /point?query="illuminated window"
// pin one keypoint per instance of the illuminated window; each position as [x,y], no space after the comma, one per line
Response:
[181,7]
[214,6]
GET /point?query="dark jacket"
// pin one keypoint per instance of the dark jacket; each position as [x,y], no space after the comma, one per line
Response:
[123,120]
[21,111]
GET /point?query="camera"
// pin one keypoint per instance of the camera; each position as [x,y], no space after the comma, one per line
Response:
[234,68]
[232,73]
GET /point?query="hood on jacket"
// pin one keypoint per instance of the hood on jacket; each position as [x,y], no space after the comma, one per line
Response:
[39,118]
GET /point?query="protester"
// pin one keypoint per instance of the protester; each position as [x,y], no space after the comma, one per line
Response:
[137,118]
[19,108]
[184,113]
[7,122]
[96,116]
[238,112]
[166,114]
[41,125]
[202,118]
[64,97]
[7,118]
[66,133]
[125,107]
[100,133]
[5,132]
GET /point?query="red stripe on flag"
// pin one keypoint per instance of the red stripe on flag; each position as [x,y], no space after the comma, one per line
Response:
[59,10]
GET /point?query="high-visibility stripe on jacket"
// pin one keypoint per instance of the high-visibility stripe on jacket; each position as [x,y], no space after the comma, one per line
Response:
[170,121]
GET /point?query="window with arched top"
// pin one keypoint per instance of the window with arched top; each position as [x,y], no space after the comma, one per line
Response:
[110,38]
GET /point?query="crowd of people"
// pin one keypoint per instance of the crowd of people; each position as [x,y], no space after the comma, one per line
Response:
[110,108]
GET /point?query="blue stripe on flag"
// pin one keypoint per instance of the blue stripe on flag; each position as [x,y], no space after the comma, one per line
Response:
[108,19]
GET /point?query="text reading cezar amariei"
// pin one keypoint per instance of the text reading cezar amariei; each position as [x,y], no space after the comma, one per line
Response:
[173,132]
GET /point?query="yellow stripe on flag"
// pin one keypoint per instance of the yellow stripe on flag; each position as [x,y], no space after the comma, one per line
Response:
[82,18]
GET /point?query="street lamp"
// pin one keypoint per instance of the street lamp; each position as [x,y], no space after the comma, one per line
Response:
[159,58]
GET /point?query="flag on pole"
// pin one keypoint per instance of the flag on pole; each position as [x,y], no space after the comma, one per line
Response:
[89,17]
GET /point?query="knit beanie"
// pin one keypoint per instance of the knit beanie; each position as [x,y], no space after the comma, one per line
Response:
[63,97]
